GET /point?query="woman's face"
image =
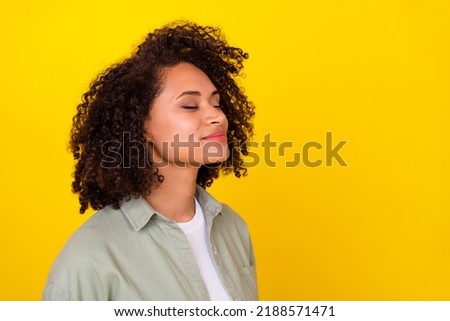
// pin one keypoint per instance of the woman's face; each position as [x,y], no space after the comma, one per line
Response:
[186,124]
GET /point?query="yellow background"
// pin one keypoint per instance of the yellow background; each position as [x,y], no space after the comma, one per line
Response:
[374,73]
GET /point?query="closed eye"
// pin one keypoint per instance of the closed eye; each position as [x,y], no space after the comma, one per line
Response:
[189,107]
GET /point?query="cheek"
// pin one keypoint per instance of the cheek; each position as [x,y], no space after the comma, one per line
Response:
[168,130]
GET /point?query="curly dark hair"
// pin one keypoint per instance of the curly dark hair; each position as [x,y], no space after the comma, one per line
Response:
[120,98]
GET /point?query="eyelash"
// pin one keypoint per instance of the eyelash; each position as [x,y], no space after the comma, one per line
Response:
[195,107]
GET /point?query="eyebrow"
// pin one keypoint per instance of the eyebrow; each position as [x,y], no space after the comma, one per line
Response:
[195,93]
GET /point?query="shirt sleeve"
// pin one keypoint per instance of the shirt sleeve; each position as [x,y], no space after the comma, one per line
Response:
[53,293]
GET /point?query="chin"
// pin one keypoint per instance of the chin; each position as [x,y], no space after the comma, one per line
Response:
[217,156]
[215,161]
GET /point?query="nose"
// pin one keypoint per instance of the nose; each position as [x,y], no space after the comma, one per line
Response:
[215,115]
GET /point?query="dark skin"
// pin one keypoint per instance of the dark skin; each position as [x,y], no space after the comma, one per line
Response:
[122,99]
[188,104]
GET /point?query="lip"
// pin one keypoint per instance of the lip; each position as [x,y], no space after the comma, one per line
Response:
[216,136]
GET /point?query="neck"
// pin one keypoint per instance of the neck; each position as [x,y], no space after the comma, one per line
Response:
[174,197]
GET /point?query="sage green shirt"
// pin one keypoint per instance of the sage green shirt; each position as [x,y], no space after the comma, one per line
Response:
[135,253]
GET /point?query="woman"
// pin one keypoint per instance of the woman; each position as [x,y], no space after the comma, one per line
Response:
[150,134]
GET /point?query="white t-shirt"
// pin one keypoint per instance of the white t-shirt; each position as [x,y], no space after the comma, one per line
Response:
[197,235]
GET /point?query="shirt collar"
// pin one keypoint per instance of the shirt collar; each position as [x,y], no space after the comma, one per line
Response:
[139,212]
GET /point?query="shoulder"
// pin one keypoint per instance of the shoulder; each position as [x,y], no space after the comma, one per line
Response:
[84,257]
[232,216]
[230,226]
[97,231]
[222,213]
